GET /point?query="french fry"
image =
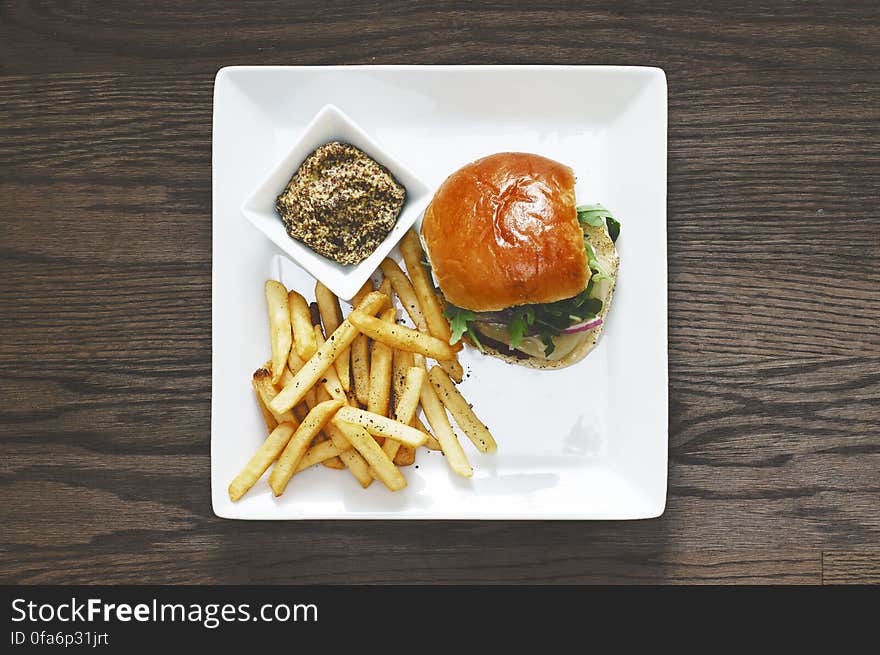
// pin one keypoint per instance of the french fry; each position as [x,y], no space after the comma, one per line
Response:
[382,426]
[331,462]
[295,363]
[301,321]
[330,381]
[379,397]
[321,437]
[317,454]
[408,402]
[314,368]
[262,381]
[453,367]
[376,396]
[386,288]
[401,337]
[423,286]
[404,290]
[401,362]
[406,406]
[406,456]
[299,442]
[431,443]
[331,317]
[350,458]
[436,415]
[461,411]
[360,354]
[300,410]
[303,408]
[379,462]
[270,421]
[280,336]
[334,463]
[360,368]
[286,376]
[315,312]
[365,290]
[267,453]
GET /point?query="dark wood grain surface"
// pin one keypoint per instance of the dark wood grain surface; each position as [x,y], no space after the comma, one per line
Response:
[774,292]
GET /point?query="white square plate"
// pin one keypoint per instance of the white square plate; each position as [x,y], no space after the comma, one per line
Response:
[585,442]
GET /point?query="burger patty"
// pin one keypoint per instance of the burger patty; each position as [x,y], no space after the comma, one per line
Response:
[489,342]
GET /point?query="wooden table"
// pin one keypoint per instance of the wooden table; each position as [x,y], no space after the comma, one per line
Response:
[105,281]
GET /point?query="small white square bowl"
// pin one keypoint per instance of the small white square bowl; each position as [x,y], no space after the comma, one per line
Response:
[331,124]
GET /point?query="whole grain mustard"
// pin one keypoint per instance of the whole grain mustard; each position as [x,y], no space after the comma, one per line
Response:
[341,203]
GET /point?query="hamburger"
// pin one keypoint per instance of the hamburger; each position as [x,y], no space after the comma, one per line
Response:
[525,273]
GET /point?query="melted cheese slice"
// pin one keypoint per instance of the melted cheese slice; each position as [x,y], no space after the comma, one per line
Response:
[533,346]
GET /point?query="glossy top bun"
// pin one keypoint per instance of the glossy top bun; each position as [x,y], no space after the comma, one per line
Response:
[503,231]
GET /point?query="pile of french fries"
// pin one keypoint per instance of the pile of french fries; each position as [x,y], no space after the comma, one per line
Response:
[346,392]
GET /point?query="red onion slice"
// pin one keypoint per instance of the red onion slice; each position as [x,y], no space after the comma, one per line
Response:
[583,327]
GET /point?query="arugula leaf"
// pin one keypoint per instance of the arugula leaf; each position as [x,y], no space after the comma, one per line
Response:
[599,272]
[594,215]
[517,330]
[519,325]
[613,228]
[597,216]
[458,322]
[593,306]
[459,325]
[472,335]
[590,218]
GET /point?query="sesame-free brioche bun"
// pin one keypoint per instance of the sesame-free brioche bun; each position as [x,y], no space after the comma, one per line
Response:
[503,231]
